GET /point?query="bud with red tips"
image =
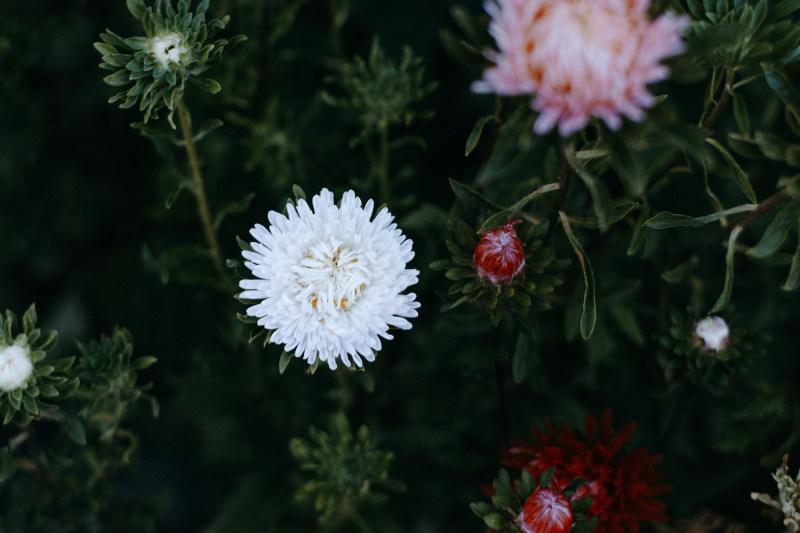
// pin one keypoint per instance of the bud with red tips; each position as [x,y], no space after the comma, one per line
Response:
[547,510]
[499,255]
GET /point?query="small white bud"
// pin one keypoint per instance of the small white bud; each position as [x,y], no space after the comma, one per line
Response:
[713,331]
[15,367]
[168,49]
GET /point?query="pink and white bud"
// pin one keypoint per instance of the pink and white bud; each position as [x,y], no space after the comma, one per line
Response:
[713,331]
[545,511]
[499,255]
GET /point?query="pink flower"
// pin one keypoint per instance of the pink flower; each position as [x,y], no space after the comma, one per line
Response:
[499,255]
[545,511]
[580,58]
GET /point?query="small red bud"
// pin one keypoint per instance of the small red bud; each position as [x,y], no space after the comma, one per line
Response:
[545,511]
[499,255]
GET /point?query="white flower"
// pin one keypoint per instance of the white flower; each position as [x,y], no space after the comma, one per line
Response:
[168,49]
[713,331]
[330,280]
[15,367]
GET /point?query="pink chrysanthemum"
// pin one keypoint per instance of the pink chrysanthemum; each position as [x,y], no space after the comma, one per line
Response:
[580,58]
[499,255]
[545,511]
[622,486]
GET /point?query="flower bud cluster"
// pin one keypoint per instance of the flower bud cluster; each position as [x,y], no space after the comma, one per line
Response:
[499,271]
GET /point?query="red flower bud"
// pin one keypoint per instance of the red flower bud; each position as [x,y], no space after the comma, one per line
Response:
[499,255]
[545,511]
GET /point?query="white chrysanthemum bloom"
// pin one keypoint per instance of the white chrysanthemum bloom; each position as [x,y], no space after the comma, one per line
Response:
[713,331]
[330,280]
[168,48]
[15,367]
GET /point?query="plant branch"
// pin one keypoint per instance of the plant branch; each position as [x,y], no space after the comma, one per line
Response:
[563,186]
[199,190]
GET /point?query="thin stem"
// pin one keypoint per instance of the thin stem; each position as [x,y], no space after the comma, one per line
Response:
[563,186]
[707,123]
[383,170]
[199,190]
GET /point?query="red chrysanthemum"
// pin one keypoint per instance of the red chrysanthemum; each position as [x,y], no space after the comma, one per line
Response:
[621,485]
[545,511]
[499,255]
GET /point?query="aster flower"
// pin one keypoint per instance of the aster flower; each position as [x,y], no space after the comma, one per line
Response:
[706,351]
[26,377]
[622,486]
[713,332]
[157,66]
[579,58]
[499,255]
[329,280]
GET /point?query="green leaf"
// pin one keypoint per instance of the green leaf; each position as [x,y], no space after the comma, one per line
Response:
[665,219]
[680,272]
[284,362]
[739,175]
[207,127]
[143,362]
[724,298]
[496,521]
[498,219]
[137,8]
[29,320]
[777,231]
[617,213]
[207,84]
[298,192]
[120,77]
[601,200]
[475,135]
[778,82]
[740,114]
[793,280]
[639,231]
[589,315]
[74,428]
[771,145]
[472,197]
[523,356]
[744,146]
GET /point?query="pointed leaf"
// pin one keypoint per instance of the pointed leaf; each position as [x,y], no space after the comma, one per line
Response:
[589,315]
[523,356]
[284,362]
[665,219]
[475,135]
[793,280]
[472,197]
[778,82]
[777,231]
[739,175]
[724,298]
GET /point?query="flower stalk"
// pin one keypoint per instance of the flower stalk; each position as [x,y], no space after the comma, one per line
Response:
[198,188]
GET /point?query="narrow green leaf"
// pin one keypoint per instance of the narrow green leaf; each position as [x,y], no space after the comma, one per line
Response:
[744,146]
[740,114]
[523,356]
[793,280]
[617,213]
[481,509]
[742,181]
[495,221]
[475,135]
[787,7]
[207,127]
[207,84]
[778,82]
[777,231]
[724,298]
[472,197]
[639,231]
[137,8]
[29,320]
[589,315]
[665,219]
[74,428]
[500,218]
[143,362]
[771,145]
[284,362]
[234,208]
[601,200]
[680,272]
[120,77]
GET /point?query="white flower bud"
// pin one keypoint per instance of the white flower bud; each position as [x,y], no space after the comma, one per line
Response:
[713,331]
[168,49]
[15,367]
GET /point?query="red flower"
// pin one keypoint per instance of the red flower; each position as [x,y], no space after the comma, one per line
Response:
[499,255]
[545,511]
[622,486]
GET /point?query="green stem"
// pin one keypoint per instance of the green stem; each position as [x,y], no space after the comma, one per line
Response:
[383,170]
[199,190]
[563,186]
